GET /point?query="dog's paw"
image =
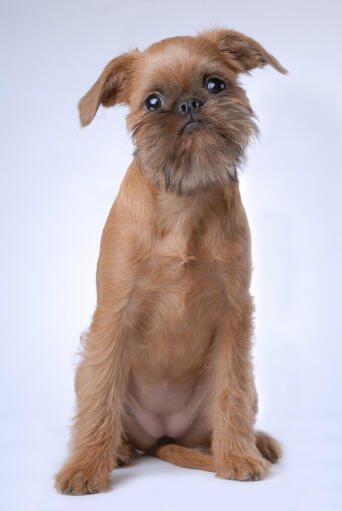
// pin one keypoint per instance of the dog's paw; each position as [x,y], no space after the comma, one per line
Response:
[79,481]
[268,447]
[243,467]
[125,454]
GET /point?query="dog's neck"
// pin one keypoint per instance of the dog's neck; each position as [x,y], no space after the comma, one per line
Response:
[188,213]
[191,214]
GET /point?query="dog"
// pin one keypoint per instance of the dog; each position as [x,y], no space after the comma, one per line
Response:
[166,363]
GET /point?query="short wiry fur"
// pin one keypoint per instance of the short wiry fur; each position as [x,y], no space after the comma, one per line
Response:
[166,362]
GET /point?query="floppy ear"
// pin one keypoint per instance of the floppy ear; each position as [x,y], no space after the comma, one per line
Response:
[110,88]
[246,53]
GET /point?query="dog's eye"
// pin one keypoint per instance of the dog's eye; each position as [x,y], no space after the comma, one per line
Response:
[153,102]
[216,85]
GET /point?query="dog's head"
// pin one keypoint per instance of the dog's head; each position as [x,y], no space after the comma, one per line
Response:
[189,118]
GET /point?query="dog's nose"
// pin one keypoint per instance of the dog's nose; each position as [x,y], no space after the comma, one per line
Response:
[189,106]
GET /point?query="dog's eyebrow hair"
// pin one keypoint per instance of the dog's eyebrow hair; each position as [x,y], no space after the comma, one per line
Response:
[154,89]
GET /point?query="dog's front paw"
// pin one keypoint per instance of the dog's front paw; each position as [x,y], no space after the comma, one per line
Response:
[242,467]
[76,480]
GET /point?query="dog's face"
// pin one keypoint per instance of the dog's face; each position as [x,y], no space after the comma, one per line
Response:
[190,120]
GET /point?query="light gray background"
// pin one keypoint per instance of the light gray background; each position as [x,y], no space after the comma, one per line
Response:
[57,185]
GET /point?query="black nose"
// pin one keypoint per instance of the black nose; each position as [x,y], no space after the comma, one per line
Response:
[188,106]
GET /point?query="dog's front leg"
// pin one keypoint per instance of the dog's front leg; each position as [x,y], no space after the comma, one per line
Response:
[100,383]
[234,405]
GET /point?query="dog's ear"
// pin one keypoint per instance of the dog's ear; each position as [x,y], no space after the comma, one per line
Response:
[110,88]
[246,53]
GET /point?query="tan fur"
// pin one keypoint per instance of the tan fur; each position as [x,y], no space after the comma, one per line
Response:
[167,356]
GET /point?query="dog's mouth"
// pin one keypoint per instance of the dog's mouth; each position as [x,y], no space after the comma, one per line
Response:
[190,125]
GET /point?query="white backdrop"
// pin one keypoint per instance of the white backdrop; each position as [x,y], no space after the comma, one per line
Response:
[57,185]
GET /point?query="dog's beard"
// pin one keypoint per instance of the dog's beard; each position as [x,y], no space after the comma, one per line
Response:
[209,154]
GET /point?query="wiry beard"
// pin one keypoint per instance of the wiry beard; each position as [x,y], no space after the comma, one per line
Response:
[209,155]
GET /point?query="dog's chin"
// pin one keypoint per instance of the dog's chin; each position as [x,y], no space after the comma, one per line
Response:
[200,156]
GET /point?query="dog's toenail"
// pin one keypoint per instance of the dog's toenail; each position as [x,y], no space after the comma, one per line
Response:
[250,477]
[257,476]
[71,491]
[93,490]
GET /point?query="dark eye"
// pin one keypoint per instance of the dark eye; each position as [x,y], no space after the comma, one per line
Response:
[216,85]
[153,102]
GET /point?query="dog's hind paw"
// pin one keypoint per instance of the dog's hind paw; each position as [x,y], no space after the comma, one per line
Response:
[268,447]
[125,455]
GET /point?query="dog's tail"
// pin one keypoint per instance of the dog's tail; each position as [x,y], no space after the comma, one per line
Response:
[181,456]
[184,457]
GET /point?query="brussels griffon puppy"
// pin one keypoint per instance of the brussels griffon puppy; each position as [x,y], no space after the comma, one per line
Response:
[166,363]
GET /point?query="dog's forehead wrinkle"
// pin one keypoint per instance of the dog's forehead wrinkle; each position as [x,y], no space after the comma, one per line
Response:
[186,44]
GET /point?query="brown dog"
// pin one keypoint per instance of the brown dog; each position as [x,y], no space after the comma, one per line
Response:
[166,363]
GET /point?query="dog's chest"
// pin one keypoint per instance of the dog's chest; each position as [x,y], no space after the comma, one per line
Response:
[180,276]
[173,250]
[177,301]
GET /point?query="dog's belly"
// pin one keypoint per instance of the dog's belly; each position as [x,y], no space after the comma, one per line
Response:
[177,410]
